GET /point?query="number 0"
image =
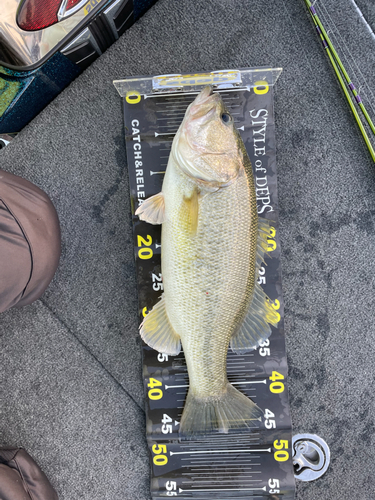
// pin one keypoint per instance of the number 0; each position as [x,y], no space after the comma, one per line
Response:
[155,394]
[277,387]
[160,460]
[145,253]
[281,456]
[133,97]
[261,87]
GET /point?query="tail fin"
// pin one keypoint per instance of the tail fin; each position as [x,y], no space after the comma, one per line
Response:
[230,410]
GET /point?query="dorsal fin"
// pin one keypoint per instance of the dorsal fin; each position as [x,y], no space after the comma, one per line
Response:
[255,327]
[157,331]
[152,210]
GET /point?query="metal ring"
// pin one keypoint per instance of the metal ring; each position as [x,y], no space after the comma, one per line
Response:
[311,456]
[4,140]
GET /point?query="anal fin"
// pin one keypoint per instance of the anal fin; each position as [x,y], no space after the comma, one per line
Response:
[157,331]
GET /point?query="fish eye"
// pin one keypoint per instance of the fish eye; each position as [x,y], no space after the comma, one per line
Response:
[226,118]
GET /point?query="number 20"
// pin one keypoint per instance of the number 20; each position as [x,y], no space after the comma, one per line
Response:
[144,252]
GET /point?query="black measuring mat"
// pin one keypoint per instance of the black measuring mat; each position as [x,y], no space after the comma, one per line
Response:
[256,463]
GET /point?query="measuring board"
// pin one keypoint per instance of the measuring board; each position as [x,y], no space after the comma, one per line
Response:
[256,463]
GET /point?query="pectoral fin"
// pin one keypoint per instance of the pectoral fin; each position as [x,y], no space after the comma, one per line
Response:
[157,331]
[152,210]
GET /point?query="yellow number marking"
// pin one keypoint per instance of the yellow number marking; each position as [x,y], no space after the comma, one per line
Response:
[261,87]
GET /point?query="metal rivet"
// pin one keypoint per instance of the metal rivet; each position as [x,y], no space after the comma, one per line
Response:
[311,456]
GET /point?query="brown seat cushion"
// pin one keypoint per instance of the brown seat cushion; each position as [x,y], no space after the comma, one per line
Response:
[21,478]
[30,242]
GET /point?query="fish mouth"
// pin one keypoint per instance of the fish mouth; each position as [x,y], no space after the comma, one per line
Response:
[203,99]
[204,94]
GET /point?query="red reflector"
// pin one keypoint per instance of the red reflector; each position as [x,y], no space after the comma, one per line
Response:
[37,14]
[71,4]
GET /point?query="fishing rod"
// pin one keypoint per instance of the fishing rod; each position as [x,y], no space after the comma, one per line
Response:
[337,63]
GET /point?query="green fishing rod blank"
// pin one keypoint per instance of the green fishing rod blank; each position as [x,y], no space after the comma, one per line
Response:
[323,34]
[347,95]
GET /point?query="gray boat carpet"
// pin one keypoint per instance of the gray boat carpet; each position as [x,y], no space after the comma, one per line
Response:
[71,362]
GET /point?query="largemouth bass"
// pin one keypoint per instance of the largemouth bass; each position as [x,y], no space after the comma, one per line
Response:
[213,244]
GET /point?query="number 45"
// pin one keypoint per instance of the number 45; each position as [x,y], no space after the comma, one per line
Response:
[269,419]
[167,427]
